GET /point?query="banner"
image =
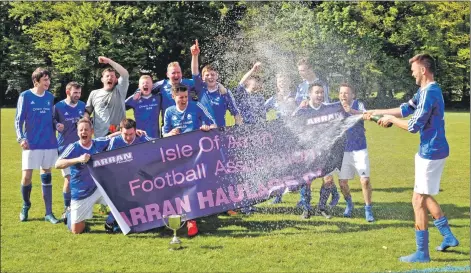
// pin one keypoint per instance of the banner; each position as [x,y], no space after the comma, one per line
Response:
[203,173]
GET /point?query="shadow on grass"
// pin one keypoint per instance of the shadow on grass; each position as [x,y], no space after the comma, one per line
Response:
[395,190]
[250,226]
[382,211]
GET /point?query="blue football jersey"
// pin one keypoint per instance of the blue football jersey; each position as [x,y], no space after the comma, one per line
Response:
[68,116]
[216,103]
[164,88]
[428,109]
[81,182]
[325,113]
[251,105]
[118,142]
[356,139]
[36,114]
[282,108]
[302,92]
[146,113]
[194,116]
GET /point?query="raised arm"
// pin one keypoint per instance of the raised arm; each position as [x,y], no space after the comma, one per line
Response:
[195,51]
[247,75]
[121,70]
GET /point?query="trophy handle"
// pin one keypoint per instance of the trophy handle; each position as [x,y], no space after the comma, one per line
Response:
[183,220]
[165,223]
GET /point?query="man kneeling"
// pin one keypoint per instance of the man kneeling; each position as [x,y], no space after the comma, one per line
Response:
[83,189]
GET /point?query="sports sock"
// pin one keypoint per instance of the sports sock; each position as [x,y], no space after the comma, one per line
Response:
[46,179]
[26,193]
[67,196]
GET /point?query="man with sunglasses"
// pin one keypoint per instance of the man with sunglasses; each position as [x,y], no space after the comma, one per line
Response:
[107,103]
[66,114]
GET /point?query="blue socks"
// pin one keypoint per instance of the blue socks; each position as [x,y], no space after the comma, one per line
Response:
[349,209]
[67,197]
[46,179]
[449,240]
[422,254]
[26,193]
[324,196]
[305,197]
[335,196]
[369,213]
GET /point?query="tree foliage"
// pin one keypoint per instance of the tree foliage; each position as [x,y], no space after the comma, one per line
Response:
[366,43]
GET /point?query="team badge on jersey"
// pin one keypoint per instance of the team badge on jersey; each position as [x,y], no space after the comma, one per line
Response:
[188,116]
[174,117]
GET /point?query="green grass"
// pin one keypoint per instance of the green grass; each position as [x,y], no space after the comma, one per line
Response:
[275,239]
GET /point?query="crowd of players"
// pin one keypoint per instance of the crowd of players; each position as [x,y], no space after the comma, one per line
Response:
[64,135]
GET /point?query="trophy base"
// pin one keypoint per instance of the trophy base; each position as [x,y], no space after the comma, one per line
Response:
[175,244]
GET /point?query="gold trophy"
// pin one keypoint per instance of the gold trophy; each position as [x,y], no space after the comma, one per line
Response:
[174,223]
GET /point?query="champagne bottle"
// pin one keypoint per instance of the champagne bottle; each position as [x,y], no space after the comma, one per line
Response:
[375,118]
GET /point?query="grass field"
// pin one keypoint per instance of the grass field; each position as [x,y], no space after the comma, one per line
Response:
[273,240]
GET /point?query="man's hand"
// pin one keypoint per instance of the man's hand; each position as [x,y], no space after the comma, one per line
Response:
[256,66]
[84,158]
[222,89]
[367,115]
[205,128]
[104,60]
[24,144]
[304,104]
[140,132]
[59,127]
[195,49]
[174,132]
[386,121]
[346,107]
[239,120]
[136,96]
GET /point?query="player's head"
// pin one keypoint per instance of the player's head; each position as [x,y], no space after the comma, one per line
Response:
[316,93]
[306,69]
[128,130]
[180,95]
[254,84]
[73,91]
[346,93]
[174,72]
[283,84]
[145,84]
[41,78]
[85,131]
[422,67]
[108,78]
[210,76]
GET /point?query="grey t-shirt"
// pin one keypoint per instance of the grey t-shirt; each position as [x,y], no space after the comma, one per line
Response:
[108,106]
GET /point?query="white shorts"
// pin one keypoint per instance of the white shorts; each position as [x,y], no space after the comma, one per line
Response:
[80,210]
[427,175]
[65,172]
[36,159]
[356,160]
